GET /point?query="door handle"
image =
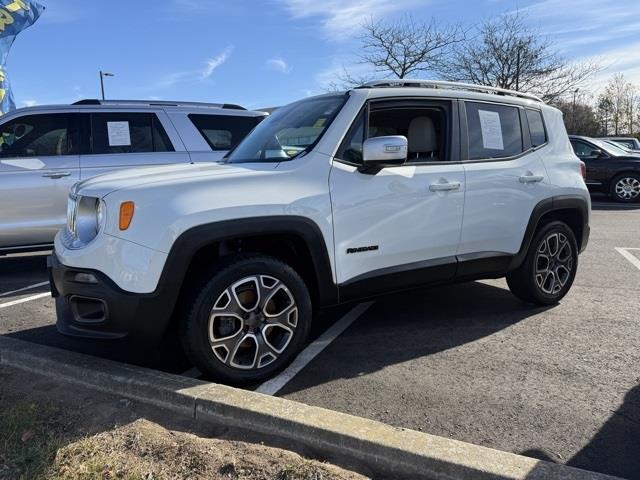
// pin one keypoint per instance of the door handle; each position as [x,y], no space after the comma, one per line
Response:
[56,175]
[531,178]
[445,187]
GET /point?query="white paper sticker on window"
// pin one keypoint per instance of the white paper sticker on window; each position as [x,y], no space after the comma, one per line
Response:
[119,135]
[491,130]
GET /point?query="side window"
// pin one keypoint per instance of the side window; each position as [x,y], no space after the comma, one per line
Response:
[425,128]
[494,131]
[223,132]
[536,128]
[581,149]
[37,136]
[128,133]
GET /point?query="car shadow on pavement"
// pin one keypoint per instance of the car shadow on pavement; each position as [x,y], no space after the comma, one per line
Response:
[413,324]
[167,357]
[19,272]
[615,448]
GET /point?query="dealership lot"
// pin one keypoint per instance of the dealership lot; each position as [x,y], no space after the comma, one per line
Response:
[468,361]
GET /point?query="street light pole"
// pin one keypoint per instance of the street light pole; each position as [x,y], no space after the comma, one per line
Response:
[102,75]
[573,111]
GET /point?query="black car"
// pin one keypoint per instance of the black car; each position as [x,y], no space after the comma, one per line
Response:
[610,169]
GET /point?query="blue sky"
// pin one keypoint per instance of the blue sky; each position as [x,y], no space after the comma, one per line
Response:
[265,52]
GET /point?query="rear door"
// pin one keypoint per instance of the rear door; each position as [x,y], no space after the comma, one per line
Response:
[505,179]
[39,163]
[114,140]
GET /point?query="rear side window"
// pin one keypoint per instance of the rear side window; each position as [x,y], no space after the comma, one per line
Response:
[128,133]
[38,135]
[223,132]
[536,128]
[494,131]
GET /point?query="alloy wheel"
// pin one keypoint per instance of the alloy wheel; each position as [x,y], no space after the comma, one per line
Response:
[627,188]
[553,264]
[252,322]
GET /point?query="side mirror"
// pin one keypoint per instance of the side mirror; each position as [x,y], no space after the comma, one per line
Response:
[380,152]
[597,153]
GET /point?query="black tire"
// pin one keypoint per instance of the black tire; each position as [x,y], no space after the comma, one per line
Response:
[528,284]
[617,189]
[196,330]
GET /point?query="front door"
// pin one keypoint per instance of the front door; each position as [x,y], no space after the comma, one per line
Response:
[38,165]
[595,161]
[399,226]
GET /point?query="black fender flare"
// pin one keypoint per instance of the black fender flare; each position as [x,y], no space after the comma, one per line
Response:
[549,205]
[194,239]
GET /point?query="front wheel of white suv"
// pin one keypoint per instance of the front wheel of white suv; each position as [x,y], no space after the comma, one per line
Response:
[549,268]
[248,321]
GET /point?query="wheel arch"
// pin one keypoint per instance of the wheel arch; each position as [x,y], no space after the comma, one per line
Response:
[296,240]
[570,209]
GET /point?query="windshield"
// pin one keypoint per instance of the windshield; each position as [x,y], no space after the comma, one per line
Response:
[609,148]
[289,131]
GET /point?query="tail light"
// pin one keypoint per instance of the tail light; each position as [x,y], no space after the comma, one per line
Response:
[583,170]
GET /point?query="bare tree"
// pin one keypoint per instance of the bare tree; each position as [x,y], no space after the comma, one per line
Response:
[619,101]
[507,53]
[580,118]
[405,47]
[400,49]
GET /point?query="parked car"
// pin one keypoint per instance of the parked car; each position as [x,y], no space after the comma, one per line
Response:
[620,145]
[44,150]
[628,142]
[331,199]
[610,169]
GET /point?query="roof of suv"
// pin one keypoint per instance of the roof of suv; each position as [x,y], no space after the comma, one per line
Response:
[90,104]
[404,87]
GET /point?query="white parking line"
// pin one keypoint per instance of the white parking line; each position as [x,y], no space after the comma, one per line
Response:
[5,294]
[629,256]
[273,386]
[24,300]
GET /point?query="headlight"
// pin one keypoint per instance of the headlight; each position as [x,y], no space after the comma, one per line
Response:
[85,217]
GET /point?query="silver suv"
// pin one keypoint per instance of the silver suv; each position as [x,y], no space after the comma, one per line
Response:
[45,150]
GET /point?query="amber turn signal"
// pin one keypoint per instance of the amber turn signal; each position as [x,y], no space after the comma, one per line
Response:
[126,214]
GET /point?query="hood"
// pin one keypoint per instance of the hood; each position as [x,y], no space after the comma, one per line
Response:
[103,185]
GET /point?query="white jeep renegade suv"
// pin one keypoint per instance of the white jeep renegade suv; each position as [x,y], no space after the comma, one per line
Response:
[339,197]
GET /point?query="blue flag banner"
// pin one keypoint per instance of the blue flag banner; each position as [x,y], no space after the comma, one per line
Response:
[15,16]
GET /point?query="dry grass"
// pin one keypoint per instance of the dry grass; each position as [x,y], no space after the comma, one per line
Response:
[145,451]
[40,442]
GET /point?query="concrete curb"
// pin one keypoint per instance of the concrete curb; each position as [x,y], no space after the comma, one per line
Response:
[364,445]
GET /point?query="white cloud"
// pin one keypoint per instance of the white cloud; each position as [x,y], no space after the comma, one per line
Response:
[194,75]
[576,24]
[216,61]
[279,64]
[29,103]
[341,18]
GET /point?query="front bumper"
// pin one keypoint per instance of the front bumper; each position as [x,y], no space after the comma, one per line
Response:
[89,304]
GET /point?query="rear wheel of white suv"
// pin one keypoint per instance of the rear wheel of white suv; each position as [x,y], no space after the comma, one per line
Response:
[248,320]
[549,268]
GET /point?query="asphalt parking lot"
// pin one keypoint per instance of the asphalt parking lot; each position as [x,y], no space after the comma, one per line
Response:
[467,361]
